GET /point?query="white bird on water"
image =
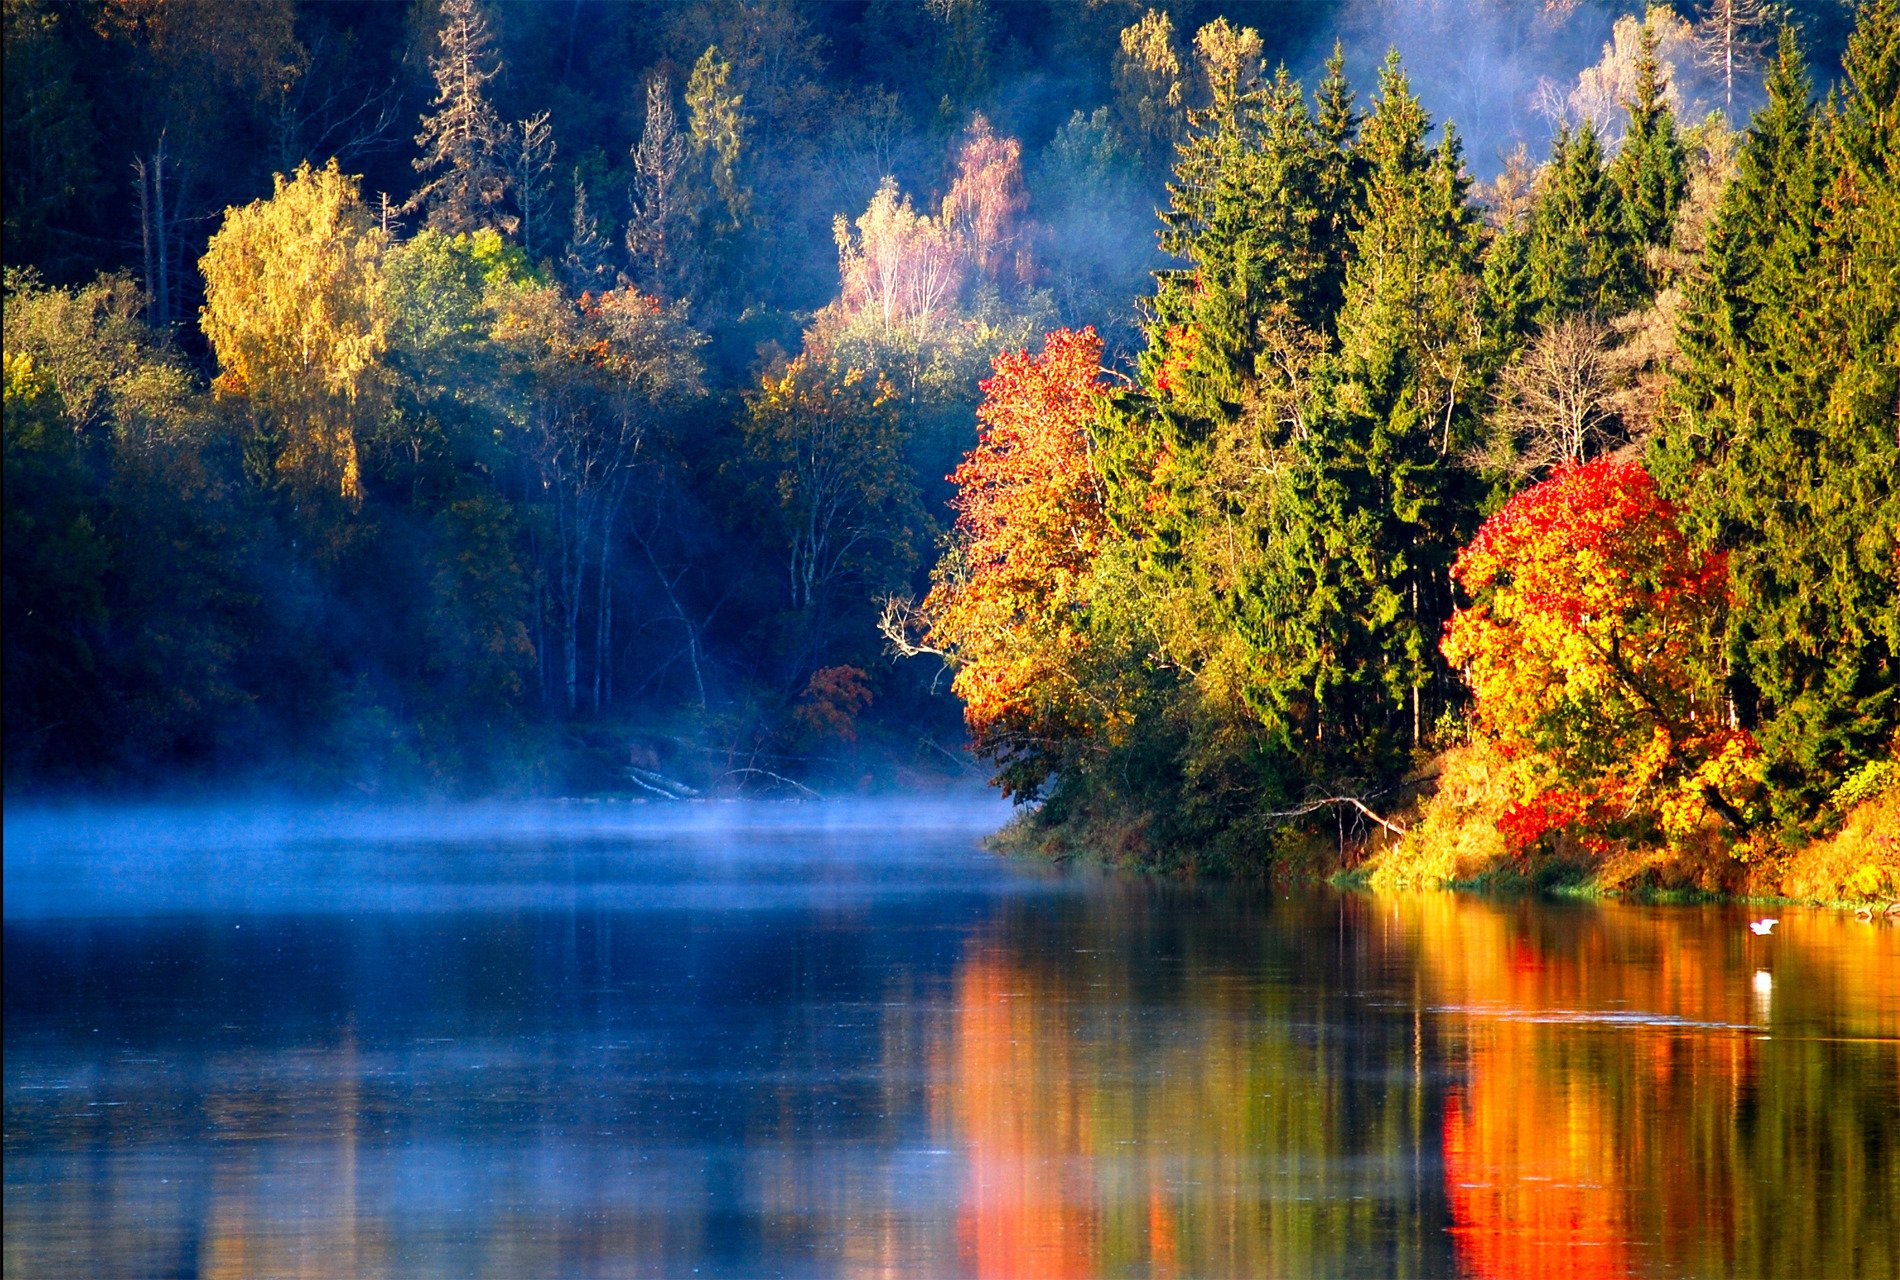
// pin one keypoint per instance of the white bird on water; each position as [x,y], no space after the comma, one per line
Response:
[1764,926]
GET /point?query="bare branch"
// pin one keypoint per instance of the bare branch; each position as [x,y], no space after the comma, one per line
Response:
[1314,806]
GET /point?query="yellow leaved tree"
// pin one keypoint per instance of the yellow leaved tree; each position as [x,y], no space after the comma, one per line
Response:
[294,311]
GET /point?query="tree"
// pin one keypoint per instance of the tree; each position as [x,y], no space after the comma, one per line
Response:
[832,442]
[1379,501]
[1587,647]
[51,139]
[902,268]
[294,312]
[1650,169]
[1582,255]
[1729,39]
[56,563]
[985,204]
[1780,440]
[463,140]
[716,126]
[665,203]
[530,169]
[1148,92]
[587,262]
[200,73]
[597,381]
[1008,602]
[1556,401]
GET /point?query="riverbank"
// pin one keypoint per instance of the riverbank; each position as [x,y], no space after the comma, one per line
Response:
[1451,841]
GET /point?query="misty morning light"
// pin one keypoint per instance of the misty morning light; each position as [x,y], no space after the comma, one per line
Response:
[938,638]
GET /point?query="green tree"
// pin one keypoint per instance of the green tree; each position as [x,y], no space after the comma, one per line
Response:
[56,565]
[1354,599]
[716,126]
[1582,254]
[1782,437]
[1650,168]
[51,140]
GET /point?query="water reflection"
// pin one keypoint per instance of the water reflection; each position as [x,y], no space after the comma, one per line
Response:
[956,1067]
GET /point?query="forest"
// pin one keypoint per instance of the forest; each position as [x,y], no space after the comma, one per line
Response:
[1262,434]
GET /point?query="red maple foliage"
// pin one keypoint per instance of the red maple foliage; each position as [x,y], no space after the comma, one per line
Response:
[1589,647]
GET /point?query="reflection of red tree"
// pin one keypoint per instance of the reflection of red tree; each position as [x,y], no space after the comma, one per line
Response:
[1530,1176]
[1028,1203]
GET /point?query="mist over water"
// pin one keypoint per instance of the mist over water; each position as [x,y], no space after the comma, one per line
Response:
[843,1039]
[65,862]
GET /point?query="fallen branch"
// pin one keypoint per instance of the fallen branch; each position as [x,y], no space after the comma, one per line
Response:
[1314,806]
[661,783]
[777,777]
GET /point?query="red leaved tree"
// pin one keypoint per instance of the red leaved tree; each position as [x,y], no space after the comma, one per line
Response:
[1008,605]
[1590,647]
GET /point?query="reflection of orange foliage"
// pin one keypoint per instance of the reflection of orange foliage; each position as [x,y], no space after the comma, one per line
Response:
[1028,1207]
[1162,1247]
[1530,1176]
[1577,1135]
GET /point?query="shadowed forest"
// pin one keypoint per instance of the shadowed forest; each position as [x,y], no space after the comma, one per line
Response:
[1464,430]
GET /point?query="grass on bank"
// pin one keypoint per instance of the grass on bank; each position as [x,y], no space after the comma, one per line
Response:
[1455,844]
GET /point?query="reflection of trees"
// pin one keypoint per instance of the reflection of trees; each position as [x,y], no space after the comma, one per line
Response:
[1122,1118]
[1734,1153]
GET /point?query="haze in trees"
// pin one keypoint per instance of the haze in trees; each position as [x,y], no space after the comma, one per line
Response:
[484,395]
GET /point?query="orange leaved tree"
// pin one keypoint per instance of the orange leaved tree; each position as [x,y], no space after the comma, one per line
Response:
[1593,626]
[1008,605]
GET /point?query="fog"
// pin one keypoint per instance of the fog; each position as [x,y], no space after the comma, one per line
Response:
[68,862]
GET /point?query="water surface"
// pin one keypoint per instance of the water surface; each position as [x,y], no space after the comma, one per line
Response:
[844,1041]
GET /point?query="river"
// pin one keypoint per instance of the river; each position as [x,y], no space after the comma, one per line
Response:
[842,1040]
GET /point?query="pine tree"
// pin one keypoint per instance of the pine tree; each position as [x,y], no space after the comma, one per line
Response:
[531,166]
[665,202]
[587,262]
[1650,169]
[463,140]
[716,126]
[1782,438]
[1582,255]
[1357,592]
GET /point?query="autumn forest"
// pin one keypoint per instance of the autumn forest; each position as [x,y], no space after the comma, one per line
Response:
[1456,440]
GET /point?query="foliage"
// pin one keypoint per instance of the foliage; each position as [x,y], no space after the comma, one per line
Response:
[294,311]
[1008,605]
[833,700]
[1780,443]
[831,442]
[1591,628]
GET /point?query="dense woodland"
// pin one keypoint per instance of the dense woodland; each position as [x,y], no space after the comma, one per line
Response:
[472,397]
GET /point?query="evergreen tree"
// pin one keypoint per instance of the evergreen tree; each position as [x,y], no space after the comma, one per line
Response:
[1582,254]
[531,168]
[463,140]
[1356,595]
[1340,174]
[1650,169]
[716,129]
[660,241]
[1782,440]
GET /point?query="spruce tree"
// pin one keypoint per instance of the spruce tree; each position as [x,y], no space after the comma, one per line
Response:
[1782,442]
[1582,255]
[1338,178]
[1650,169]
[1345,613]
[463,139]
